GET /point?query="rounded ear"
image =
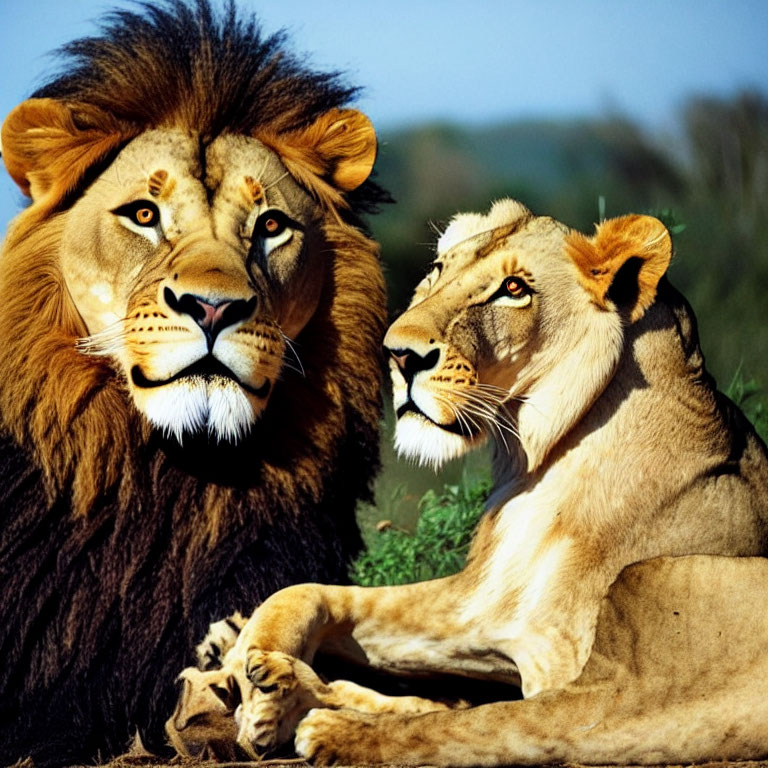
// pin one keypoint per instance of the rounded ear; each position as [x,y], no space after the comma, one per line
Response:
[339,148]
[348,141]
[622,263]
[49,145]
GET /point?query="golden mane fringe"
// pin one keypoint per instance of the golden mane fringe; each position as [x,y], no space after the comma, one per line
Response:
[68,411]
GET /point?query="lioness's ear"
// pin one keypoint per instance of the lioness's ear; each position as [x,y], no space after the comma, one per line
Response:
[48,145]
[339,147]
[623,261]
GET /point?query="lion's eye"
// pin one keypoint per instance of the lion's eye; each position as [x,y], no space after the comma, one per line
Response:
[145,217]
[273,228]
[271,224]
[143,213]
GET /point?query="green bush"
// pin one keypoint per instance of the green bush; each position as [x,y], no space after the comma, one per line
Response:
[439,545]
[750,397]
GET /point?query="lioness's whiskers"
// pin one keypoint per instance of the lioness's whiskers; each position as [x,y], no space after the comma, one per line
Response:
[478,410]
[463,420]
[485,404]
[493,424]
[463,417]
[492,407]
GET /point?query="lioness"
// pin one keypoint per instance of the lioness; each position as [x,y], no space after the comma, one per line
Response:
[611,446]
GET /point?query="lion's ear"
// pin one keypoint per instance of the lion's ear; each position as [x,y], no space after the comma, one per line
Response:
[348,142]
[48,145]
[623,261]
[339,147]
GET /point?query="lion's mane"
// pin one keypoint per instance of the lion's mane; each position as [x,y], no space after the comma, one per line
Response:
[118,547]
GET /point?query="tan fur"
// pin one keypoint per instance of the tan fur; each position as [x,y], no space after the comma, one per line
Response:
[596,580]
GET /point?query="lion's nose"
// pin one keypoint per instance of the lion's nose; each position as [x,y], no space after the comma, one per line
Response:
[211,316]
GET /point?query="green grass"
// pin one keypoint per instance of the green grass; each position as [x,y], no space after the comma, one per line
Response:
[437,547]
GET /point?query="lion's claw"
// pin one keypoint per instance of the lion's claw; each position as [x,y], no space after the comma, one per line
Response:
[337,737]
[271,671]
[269,716]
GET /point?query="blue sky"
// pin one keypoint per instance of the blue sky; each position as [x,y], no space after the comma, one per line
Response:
[486,62]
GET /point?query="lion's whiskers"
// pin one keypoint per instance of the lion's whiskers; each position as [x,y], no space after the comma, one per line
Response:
[290,346]
[108,341]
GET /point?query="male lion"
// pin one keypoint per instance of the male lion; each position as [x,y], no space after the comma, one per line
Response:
[581,363]
[190,346]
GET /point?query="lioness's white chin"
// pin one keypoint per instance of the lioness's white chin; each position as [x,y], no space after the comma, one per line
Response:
[419,439]
[192,405]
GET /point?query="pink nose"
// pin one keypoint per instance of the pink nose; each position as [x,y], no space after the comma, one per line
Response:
[211,317]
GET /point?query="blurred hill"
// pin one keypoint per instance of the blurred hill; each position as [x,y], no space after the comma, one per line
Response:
[709,179]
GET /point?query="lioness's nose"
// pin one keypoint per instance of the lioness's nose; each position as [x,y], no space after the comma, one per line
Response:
[410,362]
[211,316]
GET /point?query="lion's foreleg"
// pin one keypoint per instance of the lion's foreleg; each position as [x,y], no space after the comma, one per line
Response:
[495,734]
[405,628]
[286,688]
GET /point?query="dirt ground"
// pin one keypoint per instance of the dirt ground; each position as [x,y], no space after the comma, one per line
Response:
[135,762]
[129,761]
[299,763]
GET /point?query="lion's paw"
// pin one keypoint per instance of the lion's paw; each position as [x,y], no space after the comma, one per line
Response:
[222,635]
[338,737]
[280,696]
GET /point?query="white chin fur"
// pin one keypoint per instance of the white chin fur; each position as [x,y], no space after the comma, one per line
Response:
[218,406]
[418,439]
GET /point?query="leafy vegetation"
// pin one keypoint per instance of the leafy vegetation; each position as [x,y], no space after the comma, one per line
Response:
[437,547]
[750,397]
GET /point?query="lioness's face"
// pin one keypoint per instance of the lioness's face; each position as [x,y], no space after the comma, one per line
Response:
[500,289]
[194,266]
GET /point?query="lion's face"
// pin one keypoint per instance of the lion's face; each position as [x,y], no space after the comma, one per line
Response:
[513,333]
[195,268]
[194,264]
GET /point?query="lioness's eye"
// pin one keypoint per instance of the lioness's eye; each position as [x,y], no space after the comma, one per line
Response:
[144,213]
[515,287]
[513,292]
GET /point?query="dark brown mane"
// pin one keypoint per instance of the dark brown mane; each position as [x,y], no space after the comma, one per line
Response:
[179,63]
